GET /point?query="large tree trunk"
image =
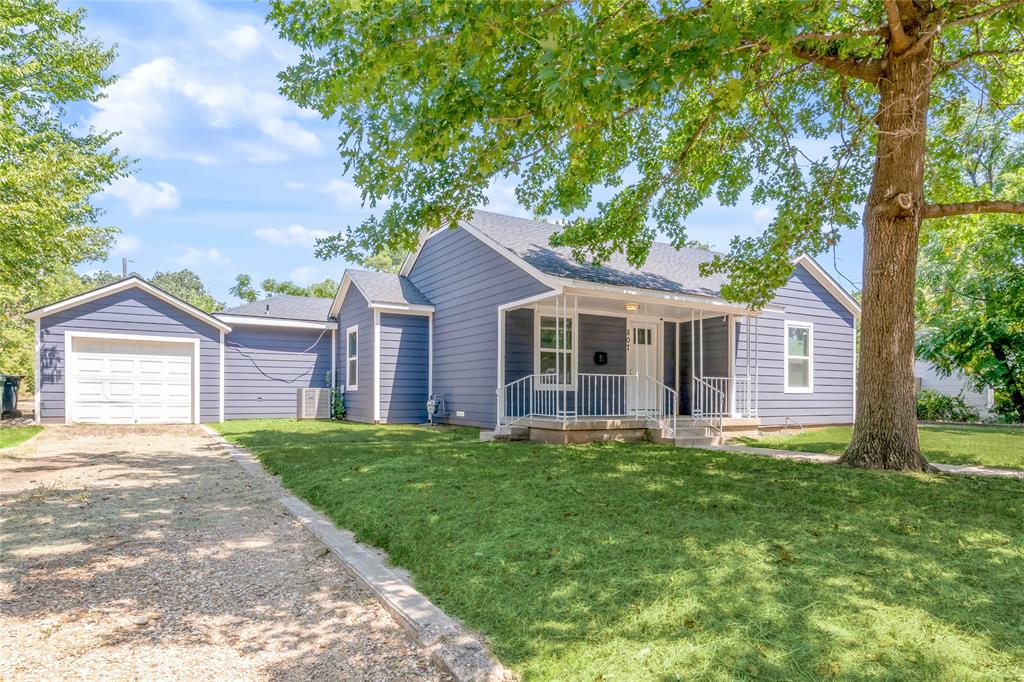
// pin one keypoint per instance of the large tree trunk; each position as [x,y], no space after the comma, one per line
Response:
[1013,389]
[885,433]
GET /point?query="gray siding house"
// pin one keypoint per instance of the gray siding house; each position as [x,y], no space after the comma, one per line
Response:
[502,329]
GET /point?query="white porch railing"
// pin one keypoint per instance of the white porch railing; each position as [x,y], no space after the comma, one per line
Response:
[718,398]
[592,396]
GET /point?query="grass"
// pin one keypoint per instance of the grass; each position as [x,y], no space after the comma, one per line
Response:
[987,445]
[16,435]
[626,562]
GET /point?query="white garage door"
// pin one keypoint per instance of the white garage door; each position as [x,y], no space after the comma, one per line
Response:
[120,381]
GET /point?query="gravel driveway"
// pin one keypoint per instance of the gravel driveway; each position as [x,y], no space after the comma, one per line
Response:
[146,553]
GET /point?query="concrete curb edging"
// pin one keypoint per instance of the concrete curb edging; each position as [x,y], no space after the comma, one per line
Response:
[964,469]
[451,647]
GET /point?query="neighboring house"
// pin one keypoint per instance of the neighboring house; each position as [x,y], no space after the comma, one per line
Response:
[956,384]
[507,331]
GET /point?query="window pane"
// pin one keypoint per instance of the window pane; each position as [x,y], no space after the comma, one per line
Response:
[798,341]
[799,374]
[352,344]
[352,375]
[555,333]
[548,363]
[565,376]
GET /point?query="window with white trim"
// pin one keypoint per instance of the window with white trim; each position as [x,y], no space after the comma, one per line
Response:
[554,350]
[798,369]
[352,358]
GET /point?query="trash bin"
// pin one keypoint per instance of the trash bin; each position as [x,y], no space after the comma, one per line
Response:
[10,384]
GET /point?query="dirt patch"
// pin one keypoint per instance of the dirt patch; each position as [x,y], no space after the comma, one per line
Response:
[145,552]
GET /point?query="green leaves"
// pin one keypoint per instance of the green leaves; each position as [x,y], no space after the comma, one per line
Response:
[685,101]
[49,171]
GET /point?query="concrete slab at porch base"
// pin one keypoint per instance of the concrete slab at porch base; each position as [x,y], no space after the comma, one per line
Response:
[454,649]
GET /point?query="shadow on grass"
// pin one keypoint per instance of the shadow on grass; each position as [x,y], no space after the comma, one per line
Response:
[639,561]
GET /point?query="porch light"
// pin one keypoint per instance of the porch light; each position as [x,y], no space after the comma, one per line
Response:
[632,307]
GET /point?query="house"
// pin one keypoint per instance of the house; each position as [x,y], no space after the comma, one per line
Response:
[507,332]
[954,385]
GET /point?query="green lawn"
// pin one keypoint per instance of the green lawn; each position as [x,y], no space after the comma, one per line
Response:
[16,435]
[988,445]
[625,562]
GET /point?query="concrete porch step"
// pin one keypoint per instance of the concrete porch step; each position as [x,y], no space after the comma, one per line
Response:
[697,441]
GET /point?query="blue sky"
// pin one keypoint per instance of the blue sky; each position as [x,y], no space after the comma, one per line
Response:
[230,176]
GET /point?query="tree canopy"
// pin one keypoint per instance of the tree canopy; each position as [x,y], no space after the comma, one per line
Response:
[669,103]
[971,276]
[244,289]
[49,170]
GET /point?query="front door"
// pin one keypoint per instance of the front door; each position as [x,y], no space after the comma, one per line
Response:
[642,362]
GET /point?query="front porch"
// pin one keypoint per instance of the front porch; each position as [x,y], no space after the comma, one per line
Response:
[577,366]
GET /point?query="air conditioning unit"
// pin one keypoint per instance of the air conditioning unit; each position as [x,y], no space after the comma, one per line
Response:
[313,403]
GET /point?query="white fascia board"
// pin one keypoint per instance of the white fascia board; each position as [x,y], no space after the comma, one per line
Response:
[130,283]
[247,320]
[339,298]
[830,284]
[404,308]
[708,303]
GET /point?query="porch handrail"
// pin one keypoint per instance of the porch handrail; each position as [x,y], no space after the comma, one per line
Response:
[668,413]
[711,401]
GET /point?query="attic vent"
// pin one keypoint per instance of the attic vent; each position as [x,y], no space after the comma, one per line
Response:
[313,403]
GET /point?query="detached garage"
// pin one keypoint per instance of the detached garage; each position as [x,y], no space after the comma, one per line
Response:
[131,353]
[128,353]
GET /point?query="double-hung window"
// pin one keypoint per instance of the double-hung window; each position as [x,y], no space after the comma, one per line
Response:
[799,363]
[352,358]
[554,351]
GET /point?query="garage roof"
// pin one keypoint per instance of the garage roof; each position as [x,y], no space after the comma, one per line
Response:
[132,282]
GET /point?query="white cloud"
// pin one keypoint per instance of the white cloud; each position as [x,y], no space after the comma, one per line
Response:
[194,256]
[142,197]
[501,198]
[150,103]
[344,192]
[303,275]
[293,235]
[238,42]
[126,243]
[293,185]
[763,215]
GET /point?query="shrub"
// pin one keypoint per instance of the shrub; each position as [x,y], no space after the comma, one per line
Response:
[939,407]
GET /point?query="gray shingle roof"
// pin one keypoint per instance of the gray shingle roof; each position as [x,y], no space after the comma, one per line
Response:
[285,307]
[386,287]
[667,268]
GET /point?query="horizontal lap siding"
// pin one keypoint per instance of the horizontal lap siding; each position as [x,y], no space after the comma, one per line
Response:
[404,348]
[519,347]
[264,367]
[466,281]
[132,311]
[356,311]
[805,300]
[607,334]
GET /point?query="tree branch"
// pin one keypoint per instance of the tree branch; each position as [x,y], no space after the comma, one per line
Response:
[866,69]
[971,208]
[952,64]
[840,35]
[969,18]
[898,38]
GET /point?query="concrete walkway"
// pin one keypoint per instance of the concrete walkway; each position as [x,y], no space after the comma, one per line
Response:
[968,469]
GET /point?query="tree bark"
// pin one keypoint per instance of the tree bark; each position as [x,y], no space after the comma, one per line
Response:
[1013,389]
[885,432]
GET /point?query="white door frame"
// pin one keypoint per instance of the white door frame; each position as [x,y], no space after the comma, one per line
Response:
[656,325]
[69,366]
